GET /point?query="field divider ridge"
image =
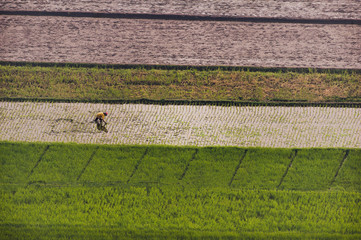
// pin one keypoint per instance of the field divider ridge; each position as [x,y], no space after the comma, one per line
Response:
[238,166]
[178,67]
[292,157]
[227,103]
[86,165]
[39,160]
[137,165]
[187,167]
[347,152]
[182,17]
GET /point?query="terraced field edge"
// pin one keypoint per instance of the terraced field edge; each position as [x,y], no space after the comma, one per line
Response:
[191,102]
[179,67]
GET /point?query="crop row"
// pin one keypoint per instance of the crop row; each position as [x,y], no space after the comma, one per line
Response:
[93,213]
[182,125]
[237,168]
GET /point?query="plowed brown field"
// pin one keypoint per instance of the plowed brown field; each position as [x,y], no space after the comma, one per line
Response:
[142,41]
[326,9]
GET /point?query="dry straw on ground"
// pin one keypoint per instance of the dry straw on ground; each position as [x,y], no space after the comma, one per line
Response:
[182,125]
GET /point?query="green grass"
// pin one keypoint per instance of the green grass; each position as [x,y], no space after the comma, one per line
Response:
[164,165]
[349,177]
[156,84]
[262,168]
[212,167]
[217,212]
[112,164]
[74,191]
[61,165]
[313,169]
[17,160]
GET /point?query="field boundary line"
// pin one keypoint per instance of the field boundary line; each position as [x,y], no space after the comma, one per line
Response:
[347,152]
[224,103]
[39,160]
[137,165]
[179,17]
[180,67]
[86,165]
[237,167]
[292,157]
[187,167]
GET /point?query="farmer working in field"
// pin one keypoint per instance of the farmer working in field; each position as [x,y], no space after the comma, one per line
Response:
[100,116]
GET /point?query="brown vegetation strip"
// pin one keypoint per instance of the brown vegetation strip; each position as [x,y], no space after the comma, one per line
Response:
[172,42]
[330,9]
[216,86]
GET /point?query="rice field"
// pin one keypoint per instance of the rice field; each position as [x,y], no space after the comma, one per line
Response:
[294,172]
[182,125]
[87,191]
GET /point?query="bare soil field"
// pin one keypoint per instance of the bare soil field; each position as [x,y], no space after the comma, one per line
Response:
[285,127]
[310,9]
[172,42]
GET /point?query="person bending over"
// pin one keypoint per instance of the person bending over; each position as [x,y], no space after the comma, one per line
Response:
[100,117]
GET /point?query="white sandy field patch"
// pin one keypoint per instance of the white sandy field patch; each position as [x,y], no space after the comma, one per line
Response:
[182,125]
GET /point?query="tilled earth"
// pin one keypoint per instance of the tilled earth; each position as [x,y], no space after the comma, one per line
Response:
[285,127]
[142,41]
[325,9]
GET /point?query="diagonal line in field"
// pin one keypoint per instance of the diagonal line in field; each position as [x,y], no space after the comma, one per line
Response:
[238,166]
[186,169]
[347,152]
[137,165]
[292,157]
[39,160]
[86,165]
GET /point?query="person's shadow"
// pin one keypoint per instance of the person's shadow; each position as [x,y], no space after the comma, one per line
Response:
[101,127]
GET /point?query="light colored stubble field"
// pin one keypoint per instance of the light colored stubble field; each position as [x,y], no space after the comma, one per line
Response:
[182,125]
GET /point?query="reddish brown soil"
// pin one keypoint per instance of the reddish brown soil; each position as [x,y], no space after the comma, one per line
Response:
[141,41]
[325,9]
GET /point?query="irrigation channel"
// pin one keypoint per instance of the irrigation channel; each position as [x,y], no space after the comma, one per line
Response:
[182,125]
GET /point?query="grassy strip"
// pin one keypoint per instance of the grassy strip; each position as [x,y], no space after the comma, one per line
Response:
[132,84]
[213,211]
[158,203]
[261,168]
